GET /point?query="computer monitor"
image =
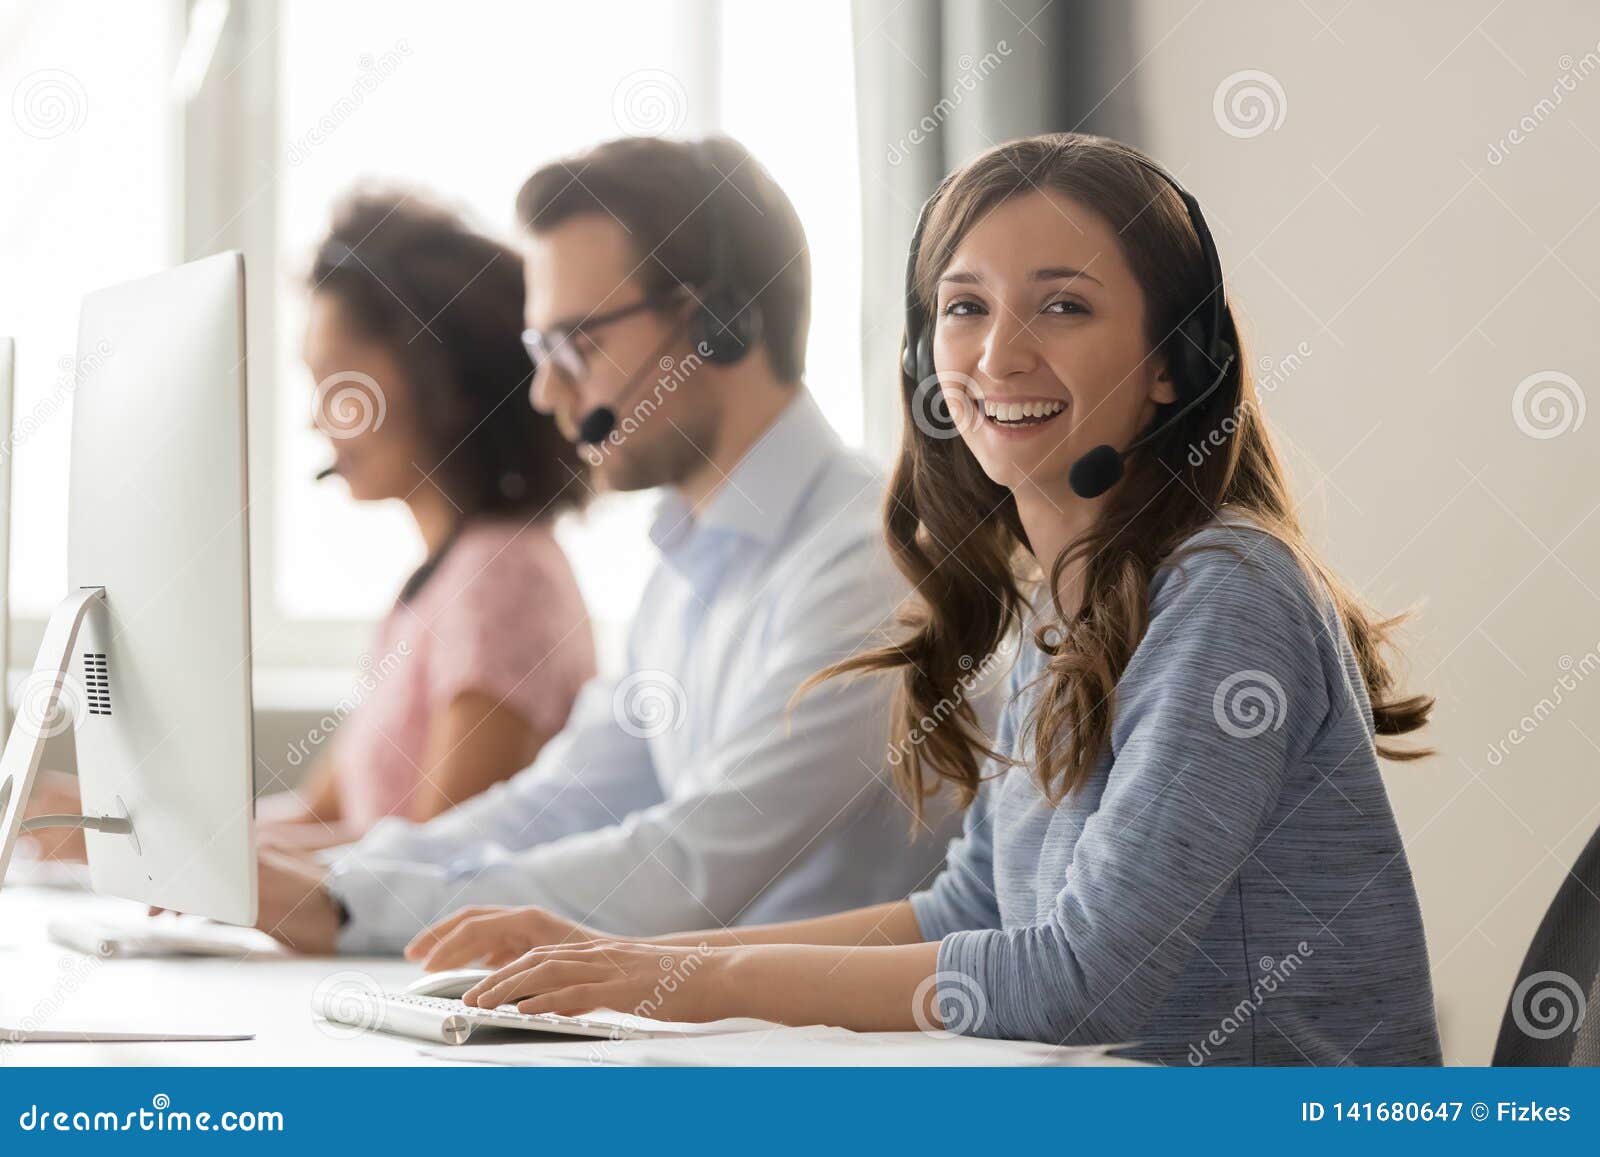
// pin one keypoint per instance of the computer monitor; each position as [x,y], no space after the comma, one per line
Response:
[150,650]
[8,355]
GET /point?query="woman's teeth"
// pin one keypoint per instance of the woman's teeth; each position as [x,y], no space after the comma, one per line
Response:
[1022,412]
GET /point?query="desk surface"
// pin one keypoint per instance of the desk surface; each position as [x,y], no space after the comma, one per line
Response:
[271,994]
[50,988]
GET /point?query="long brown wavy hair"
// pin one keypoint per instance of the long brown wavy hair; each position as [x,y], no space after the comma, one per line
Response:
[957,537]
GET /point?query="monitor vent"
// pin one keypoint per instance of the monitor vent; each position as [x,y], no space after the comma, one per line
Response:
[96,683]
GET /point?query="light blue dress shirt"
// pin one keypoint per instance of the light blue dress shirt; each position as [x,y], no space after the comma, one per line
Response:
[686,795]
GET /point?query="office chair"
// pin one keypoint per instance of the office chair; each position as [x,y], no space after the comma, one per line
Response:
[1551,1018]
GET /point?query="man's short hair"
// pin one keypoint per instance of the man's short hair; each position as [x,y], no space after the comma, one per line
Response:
[665,194]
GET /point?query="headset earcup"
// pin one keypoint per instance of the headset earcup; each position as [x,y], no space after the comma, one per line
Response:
[724,328]
[1195,367]
[916,359]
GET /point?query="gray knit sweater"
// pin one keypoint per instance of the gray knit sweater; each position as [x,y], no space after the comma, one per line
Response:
[1229,886]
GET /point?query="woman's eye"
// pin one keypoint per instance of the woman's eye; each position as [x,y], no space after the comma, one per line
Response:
[1062,308]
[962,309]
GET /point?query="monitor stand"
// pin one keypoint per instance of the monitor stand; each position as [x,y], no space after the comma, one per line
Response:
[25,747]
[18,766]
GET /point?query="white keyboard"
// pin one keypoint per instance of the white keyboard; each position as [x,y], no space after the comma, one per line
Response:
[449,1021]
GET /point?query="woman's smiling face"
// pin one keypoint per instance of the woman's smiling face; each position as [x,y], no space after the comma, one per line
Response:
[1040,341]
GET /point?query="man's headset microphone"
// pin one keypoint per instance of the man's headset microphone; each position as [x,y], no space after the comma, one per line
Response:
[1204,356]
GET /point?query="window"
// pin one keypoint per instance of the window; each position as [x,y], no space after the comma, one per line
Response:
[443,108]
[305,100]
[89,199]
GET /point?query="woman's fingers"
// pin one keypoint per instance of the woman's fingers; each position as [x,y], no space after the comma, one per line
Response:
[519,957]
[531,977]
[466,943]
[425,941]
[573,1000]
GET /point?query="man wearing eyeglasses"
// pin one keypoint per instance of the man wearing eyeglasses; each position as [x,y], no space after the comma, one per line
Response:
[668,305]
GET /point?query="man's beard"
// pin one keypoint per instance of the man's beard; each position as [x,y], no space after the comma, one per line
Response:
[683,449]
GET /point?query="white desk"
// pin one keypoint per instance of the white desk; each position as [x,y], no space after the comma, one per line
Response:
[48,988]
[53,988]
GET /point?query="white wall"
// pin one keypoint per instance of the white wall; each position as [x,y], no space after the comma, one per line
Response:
[1427,282]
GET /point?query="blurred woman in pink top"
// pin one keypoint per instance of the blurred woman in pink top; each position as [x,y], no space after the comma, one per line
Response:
[415,342]
[414,339]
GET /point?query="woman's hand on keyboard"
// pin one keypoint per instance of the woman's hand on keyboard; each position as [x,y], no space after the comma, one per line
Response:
[658,981]
[492,937]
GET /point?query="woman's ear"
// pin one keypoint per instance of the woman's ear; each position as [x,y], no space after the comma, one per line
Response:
[1163,390]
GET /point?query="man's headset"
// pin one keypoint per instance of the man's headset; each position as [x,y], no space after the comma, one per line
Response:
[1202,358]
[724,324]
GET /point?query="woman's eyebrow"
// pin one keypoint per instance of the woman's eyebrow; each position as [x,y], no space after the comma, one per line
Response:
[1063,273]
[1048,273]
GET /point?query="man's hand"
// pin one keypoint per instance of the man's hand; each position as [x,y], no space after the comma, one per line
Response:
[492,936]
[295,907]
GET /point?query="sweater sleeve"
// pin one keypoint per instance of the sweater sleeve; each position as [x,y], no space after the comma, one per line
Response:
[1224,693]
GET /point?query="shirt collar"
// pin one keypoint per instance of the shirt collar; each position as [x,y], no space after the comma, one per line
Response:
[762,492]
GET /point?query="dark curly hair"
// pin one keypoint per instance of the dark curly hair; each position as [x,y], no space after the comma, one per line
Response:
[448,302]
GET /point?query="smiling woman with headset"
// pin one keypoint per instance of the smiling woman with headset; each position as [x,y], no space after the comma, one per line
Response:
[1178,837]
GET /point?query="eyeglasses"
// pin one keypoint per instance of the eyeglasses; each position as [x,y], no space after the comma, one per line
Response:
[559,345]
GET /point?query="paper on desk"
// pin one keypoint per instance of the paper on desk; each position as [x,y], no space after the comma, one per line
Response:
[760,1043]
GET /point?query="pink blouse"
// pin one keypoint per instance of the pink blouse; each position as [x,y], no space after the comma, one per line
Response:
[502,616]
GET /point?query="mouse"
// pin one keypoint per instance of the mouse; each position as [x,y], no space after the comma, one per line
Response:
[451,984]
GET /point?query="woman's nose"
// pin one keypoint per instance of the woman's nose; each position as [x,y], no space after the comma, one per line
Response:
[1008,347]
